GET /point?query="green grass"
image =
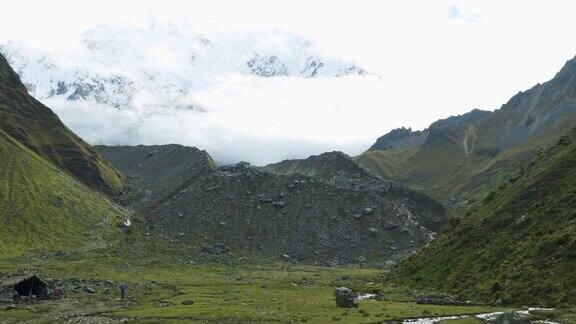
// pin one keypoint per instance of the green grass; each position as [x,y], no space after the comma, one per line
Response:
[38,128]
[444,170]
[518,246]
[42,207]
[248,291]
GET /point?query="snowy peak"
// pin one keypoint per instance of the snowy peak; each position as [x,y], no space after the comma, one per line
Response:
[166,61]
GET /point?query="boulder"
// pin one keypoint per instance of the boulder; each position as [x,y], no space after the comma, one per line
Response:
[152,153]
[264,200]
[345,298]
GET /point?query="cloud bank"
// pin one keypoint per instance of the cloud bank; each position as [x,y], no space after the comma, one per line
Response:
[258,96]
[246,118]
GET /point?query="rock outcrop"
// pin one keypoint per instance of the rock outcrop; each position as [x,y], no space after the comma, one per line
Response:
[345,298]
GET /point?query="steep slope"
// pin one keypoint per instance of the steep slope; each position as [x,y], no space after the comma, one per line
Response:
[479,148]
[43,208]
[38,128]
[433,160]
[45,203]
[156,172]
[403,138]
[266,214]
[518,246]
[540,111]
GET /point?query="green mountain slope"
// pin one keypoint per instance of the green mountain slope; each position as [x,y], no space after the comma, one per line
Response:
[38,128]
[44,208]
[47,176]
[519,246]
[464,156]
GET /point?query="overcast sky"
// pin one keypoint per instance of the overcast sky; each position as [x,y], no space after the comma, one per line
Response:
[437,58]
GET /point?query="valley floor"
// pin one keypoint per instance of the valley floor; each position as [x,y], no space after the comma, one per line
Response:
[243,292]
[158,291]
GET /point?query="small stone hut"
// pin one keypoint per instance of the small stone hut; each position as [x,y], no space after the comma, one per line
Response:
[26,285]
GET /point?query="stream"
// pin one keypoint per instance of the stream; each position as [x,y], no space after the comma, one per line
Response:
[485,317]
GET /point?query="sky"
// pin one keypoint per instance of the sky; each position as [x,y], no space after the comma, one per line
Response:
[435,59]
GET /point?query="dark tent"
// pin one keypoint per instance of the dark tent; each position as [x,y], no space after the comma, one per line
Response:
[27,285]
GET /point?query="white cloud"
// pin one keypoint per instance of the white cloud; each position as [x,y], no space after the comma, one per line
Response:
[433,67]
[249,118]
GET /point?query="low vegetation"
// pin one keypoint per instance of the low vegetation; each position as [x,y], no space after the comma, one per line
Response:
[168,290]
[44,208]
[518,246]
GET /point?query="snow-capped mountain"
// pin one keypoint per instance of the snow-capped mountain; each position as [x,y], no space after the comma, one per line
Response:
[164,62]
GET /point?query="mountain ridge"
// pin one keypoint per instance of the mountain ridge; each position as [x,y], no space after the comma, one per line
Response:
[248,208]
[54,188]
[322,167]
[477,147]
[38,128]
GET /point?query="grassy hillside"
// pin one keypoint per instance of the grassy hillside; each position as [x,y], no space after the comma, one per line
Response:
[43,208]
[38,128]
[464,156]
[440,166]
[518,246]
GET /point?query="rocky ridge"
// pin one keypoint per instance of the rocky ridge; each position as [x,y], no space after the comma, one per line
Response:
[330,167]
[404,138]
[290,216]
[462,157]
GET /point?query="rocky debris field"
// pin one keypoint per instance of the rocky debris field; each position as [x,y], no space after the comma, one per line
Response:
[304,218]
[330,167]
[156,172]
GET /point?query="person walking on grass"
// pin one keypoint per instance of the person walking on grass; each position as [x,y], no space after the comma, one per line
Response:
[123,287]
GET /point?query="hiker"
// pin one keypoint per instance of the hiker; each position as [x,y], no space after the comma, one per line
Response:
[122,226]
[57,293]
[123,286]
